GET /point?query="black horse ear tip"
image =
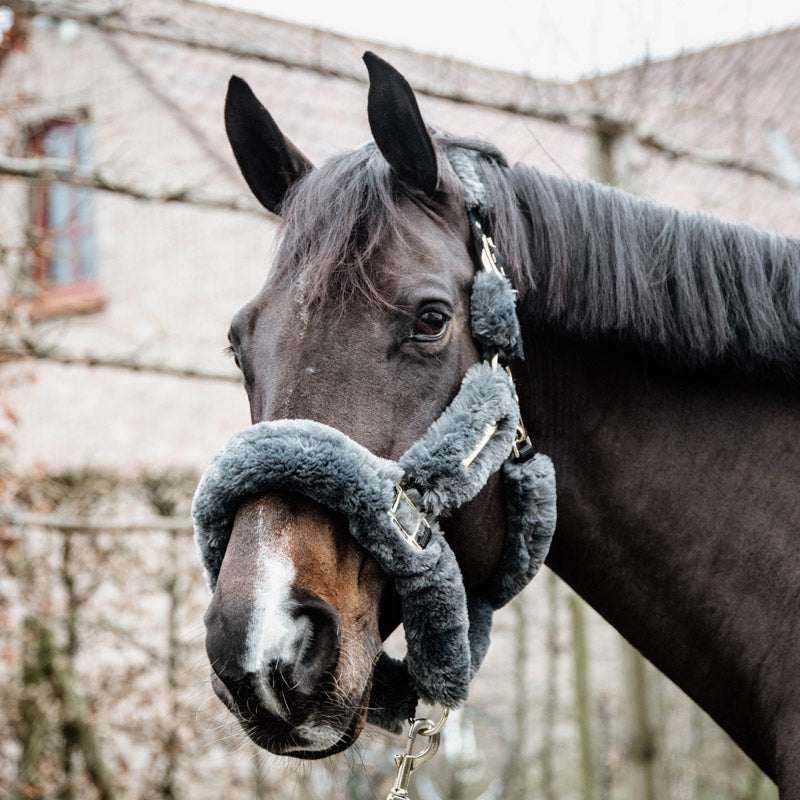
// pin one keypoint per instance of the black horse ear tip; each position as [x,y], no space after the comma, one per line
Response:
[376,64]
[371,60]
[238,86]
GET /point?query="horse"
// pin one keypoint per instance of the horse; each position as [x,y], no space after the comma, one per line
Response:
[662,356]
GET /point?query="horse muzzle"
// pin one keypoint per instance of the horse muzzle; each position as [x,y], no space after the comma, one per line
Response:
[296,733]
[279,651]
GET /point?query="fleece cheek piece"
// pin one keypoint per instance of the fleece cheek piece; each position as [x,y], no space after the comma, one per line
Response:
[530,492]
[451,463]
[493,316]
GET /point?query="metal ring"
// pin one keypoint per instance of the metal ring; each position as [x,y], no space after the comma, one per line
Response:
[432,728]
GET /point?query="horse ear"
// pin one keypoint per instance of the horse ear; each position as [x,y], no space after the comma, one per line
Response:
[269,162]
[398,128]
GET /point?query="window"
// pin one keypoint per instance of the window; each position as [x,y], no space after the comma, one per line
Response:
[62,217]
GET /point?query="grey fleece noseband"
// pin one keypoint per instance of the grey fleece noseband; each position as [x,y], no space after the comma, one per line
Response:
[393,507]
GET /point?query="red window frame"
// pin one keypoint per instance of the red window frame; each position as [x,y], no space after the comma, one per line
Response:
[62,222]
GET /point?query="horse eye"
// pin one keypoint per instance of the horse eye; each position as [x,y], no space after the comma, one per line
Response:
[429,326]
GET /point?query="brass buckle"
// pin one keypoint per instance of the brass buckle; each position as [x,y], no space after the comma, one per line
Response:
[522,449]
[409,521]
[488,250]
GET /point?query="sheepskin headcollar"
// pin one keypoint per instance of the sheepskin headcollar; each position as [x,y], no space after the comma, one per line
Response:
[392,507]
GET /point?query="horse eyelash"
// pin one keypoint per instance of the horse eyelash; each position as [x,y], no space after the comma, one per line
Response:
[231,353]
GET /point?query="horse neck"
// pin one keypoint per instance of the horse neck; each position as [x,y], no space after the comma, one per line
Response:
[676,518]
[676,498]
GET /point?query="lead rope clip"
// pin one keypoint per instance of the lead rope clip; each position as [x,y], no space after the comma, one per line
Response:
[408,761]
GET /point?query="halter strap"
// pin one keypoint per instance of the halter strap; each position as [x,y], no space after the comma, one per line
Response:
[494,319]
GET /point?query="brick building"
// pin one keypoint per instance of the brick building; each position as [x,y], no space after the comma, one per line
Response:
[115,303]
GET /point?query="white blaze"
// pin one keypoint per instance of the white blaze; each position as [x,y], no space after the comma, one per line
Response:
[271,631]
[273,634]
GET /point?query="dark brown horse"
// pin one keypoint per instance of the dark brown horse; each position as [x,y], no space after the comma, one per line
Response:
[662,360]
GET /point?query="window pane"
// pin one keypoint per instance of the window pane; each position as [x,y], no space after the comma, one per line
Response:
[83,144]
[84,147]
[59,201]
[60,259]
[69,221]
[59,141]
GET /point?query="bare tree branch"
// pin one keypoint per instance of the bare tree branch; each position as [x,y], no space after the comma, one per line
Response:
[14,348]
[709,159]
[91,525]
[66,171]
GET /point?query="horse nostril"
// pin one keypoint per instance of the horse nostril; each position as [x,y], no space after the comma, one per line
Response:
[223,633]
[294,654]
[316,648]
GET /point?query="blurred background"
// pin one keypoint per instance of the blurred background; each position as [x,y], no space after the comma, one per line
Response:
[128,240]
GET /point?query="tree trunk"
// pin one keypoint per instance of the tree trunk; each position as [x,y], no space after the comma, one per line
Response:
[551,691]
[516,784]
[46,666]
[640,744]
[580,663]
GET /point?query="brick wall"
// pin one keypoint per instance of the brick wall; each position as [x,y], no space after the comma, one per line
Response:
[172,275]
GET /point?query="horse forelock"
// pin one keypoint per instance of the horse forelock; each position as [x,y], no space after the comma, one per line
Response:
[341,215]
[334,221]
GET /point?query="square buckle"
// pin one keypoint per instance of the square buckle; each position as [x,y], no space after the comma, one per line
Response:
[409,521]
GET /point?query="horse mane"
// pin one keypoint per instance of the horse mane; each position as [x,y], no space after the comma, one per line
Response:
[600,263]
[586,258]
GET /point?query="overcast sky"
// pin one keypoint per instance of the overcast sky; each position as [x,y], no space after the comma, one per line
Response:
[546,38]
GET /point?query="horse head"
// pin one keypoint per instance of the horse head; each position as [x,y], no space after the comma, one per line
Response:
[363,325]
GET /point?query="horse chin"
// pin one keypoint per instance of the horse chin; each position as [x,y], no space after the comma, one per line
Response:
[302,735]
